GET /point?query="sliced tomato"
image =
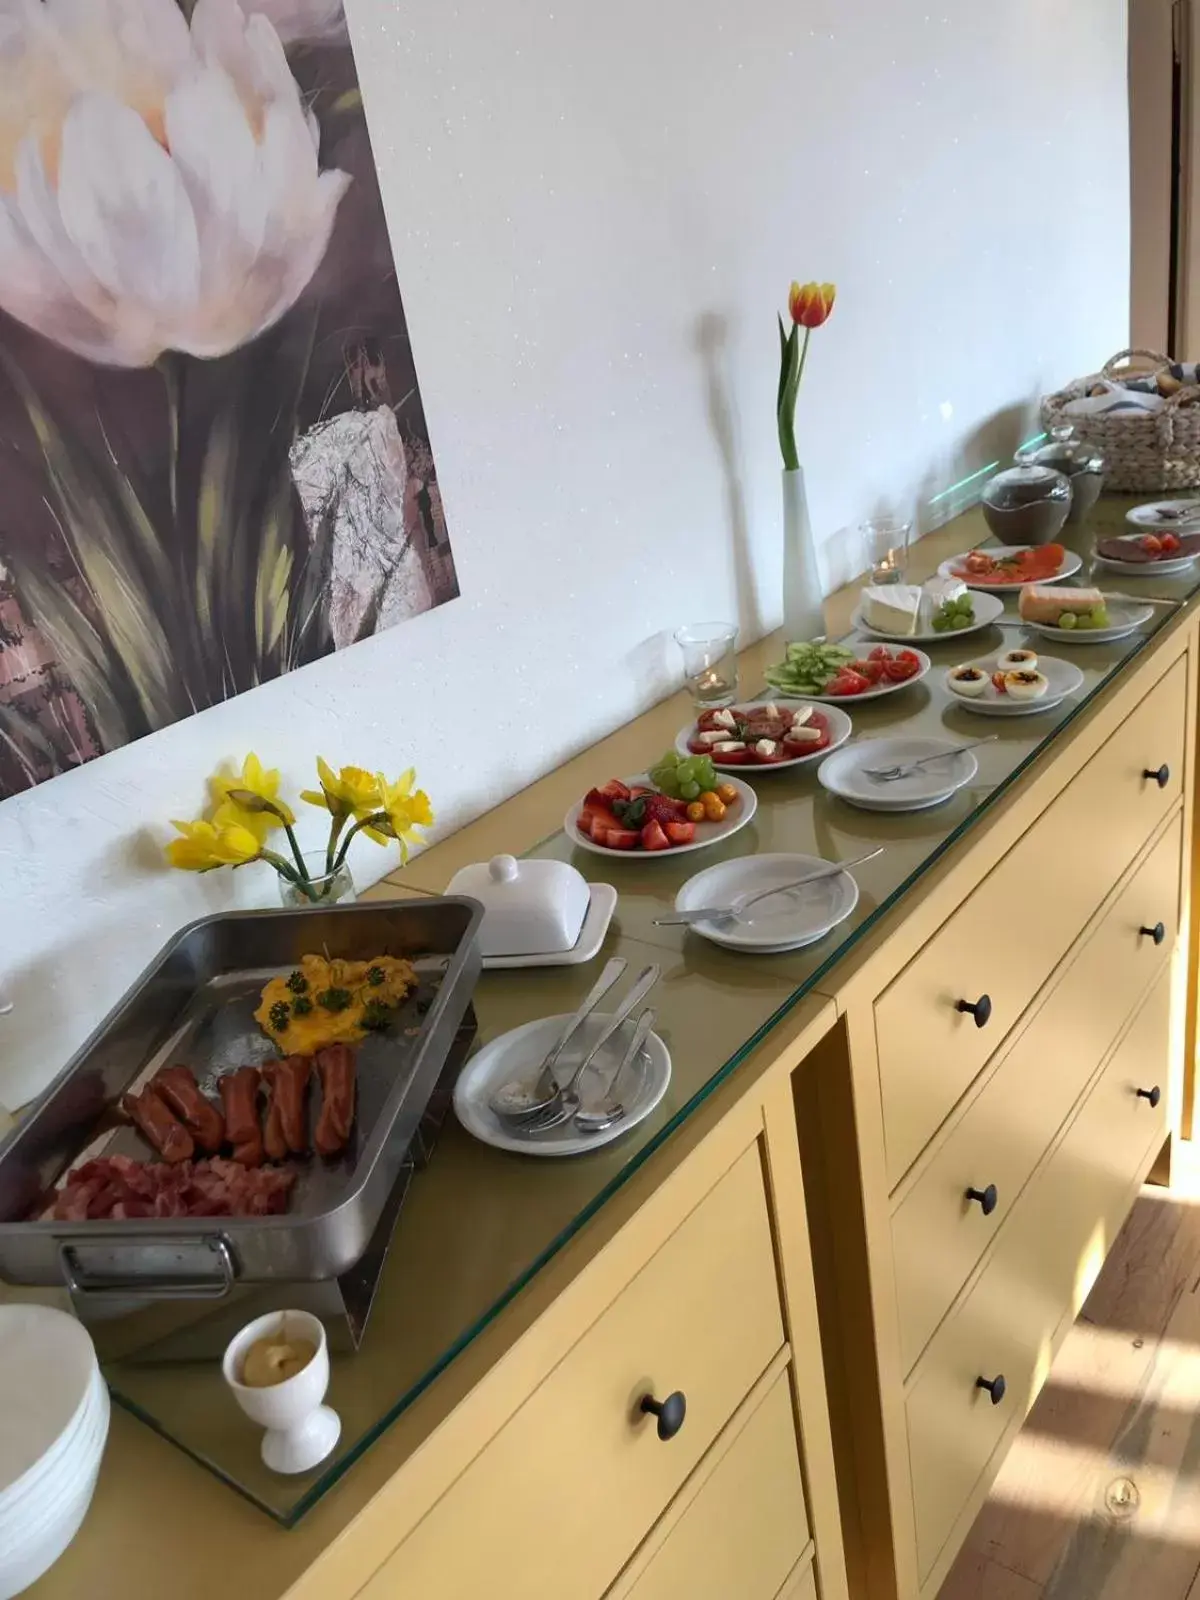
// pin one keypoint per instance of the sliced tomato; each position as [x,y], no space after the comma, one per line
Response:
[908,655]
[898,671]
[998,683]
[766,728]
[707,722]
[880,653]
[654,838]
[848,682]
[681,832]
[777,755]
[871,670]
[729,758]
[697,748]
[1151,544]
[1170,543]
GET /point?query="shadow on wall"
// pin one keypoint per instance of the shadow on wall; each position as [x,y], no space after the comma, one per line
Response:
[712,341]
[946,490]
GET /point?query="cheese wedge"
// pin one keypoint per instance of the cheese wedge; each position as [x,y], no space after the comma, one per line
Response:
[893,608]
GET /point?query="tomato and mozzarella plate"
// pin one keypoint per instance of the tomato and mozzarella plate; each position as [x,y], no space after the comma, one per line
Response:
[763,735]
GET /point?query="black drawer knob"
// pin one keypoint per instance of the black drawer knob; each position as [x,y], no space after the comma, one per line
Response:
[988,1198]
[1158,932]
[1162,777]
[670,1412]
[981,1009]
[1153,1095]
[996,1387]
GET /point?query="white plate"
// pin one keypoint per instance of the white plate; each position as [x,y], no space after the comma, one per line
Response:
[596,919]
[840,729]
[930,785]
[1071,565]
[1145,569]
[1064,678]
[706,832]
[47,1362]
[876,693]
[1149,518]
[1125,620]
[787,922]
[516,1055]
[987,606]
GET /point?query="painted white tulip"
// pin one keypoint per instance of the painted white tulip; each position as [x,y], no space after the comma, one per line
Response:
[160,186]
[303,19]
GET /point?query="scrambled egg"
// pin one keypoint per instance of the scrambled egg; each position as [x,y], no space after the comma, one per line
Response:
[332,1002]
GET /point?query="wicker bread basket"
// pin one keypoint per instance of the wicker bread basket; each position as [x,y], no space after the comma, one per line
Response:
[1144,450]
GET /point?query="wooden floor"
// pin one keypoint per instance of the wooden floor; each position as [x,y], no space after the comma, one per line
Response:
[1099,1498]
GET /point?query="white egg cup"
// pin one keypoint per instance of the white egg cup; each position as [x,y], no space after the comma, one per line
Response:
[301,1431]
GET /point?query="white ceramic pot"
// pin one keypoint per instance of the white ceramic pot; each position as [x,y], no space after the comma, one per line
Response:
[300,1430]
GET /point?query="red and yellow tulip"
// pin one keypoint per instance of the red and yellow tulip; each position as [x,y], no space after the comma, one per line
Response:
[811,303]
[809,306]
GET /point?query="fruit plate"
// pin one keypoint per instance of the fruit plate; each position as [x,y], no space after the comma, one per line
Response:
[988,607]
[1164,516]
[876,693]
[1064,678]
[1124,619]
[1071,564]
[840,729]
[706,832]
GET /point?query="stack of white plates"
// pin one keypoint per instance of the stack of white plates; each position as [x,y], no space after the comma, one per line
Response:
[53,1425]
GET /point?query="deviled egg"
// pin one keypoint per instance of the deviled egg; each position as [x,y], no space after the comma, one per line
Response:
[1017,661]
[967,681]
[1025,685]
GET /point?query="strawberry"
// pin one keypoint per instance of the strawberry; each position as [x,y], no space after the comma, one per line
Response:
[661,808]
[601,822]
[681,832]
[614,789]
[653,837]
[594,800]
[637,792]
[619,838]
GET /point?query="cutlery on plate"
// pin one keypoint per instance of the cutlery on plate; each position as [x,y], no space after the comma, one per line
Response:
[686,919]
[564,1102]
[522,1098]
[890,774]
[1141,599]
[595,1119]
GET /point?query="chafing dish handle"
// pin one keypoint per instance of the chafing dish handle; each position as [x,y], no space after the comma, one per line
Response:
[89,1285]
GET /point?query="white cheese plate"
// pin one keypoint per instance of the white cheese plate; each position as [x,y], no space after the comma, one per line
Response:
[988,607]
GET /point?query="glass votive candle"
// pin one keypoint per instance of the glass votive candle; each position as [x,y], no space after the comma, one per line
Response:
[710,662]
[886,539]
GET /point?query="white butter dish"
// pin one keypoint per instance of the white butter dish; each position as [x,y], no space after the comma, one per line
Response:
[587,947]
[530,908]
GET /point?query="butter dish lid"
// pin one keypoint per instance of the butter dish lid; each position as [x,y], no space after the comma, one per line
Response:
[529,907]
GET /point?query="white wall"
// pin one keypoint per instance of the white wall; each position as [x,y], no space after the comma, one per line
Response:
[596,210]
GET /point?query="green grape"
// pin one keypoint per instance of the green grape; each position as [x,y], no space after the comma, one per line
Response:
[959,623]
[941,624]
[1099,617]
[689,791]
[1068,620]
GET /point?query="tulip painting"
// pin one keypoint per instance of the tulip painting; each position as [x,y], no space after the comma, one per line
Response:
[216,464]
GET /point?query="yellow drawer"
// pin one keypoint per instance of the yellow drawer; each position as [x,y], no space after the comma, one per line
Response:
[1045,1262]
[803,1586]
[745,1527]
[1007,937]
[580,1458]
[939,1231]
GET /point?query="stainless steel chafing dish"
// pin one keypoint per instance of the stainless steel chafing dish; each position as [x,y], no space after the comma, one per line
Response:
[195,1004]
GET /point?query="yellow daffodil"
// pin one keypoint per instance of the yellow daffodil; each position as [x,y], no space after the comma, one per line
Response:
[351,792]
[206,845]
[402,811]
[250,799]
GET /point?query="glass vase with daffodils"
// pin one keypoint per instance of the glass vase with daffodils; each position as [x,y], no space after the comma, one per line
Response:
[247,810]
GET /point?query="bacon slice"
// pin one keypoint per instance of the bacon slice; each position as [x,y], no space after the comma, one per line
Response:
[117,1187]
[286,1126]
[157,1124]
[336,1067]
[239,1096]
[178,1087]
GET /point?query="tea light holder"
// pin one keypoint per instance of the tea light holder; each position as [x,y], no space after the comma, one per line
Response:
[710,662]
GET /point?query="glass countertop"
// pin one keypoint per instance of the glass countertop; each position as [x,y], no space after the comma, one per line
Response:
[478,1223]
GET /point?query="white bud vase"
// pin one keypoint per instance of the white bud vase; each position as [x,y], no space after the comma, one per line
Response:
[803,617]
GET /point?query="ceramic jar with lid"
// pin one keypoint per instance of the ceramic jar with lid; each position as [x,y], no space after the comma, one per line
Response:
[529,907]
[1027,504]
[1066,452]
